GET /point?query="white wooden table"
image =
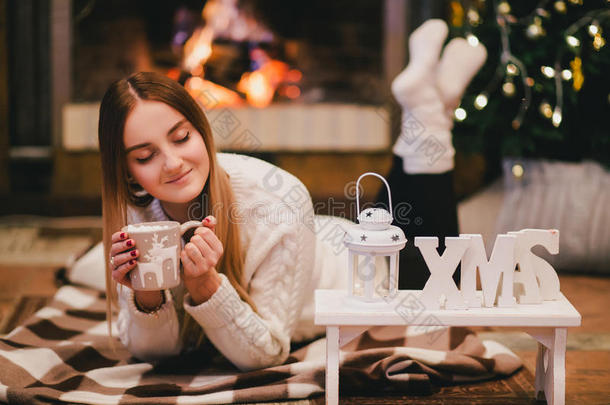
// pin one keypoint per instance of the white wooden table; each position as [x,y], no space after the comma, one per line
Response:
[546,322]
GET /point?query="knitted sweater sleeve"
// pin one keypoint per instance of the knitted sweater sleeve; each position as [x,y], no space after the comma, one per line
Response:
[148,336]
[249,339]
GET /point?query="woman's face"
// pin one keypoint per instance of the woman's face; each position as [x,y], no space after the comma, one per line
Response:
[165,153]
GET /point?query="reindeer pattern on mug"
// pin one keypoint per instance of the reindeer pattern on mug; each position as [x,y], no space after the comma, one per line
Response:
[159,263]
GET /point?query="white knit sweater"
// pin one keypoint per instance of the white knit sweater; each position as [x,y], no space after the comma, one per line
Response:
[288,254]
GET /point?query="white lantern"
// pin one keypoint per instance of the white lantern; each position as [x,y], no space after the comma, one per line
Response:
[369,245]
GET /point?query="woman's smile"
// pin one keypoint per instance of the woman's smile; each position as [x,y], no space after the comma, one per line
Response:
[181,179]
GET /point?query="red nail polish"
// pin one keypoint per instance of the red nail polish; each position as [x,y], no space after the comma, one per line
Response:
[131,261]
[129,243]
[133,253]
[122,235]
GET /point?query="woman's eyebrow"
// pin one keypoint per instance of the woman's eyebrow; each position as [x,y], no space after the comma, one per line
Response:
[143,145]
[176,126]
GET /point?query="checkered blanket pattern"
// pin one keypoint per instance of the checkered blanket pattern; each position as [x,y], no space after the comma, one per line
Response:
[62,354]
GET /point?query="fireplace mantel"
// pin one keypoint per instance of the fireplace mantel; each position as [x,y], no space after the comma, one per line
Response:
[279,127]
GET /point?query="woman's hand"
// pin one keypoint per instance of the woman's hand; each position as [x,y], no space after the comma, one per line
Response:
[199,259]
[123,256]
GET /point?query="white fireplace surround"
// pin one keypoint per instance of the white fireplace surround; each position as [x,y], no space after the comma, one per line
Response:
[279,127]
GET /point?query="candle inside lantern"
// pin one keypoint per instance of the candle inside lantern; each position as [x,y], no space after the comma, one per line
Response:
[374,268]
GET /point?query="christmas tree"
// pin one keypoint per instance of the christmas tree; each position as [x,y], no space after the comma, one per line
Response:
[544,90]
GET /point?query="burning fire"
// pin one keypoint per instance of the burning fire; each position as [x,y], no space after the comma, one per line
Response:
[198,49]
[224,19]
[260,85]
[210,94]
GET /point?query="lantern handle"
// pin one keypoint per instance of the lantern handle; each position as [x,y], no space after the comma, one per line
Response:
[358,191]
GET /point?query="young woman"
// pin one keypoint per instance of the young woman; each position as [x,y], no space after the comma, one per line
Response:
[249,270]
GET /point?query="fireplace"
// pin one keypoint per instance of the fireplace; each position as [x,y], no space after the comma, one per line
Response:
[271,75]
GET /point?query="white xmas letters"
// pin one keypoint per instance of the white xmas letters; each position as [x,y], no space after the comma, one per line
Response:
[535,280]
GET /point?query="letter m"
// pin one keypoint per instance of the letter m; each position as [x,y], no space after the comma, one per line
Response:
[500,268]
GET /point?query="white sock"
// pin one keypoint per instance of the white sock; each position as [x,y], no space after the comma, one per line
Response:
[458,65]
[428,91]
[425,44]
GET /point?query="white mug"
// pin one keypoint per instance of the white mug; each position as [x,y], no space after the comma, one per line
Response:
[159,243]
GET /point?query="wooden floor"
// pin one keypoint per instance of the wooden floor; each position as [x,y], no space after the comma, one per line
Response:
[25,289]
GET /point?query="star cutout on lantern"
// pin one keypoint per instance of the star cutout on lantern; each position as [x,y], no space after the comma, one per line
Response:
[395,238]
[369,214]
[363,238]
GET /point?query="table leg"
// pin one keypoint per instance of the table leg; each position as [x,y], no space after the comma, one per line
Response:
[332,365]
[554,386]
[551,379]
[540,370]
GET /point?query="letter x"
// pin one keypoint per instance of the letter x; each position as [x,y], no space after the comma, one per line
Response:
[441,271]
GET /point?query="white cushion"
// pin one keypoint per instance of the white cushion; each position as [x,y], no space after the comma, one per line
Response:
[89,269]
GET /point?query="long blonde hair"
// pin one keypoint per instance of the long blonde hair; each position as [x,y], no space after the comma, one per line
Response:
[118,102]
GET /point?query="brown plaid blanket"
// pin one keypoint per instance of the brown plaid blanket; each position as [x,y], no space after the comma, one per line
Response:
[62,354]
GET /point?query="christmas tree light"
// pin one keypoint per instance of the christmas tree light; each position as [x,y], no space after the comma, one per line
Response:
[481,101]
[572,41]
[472,40]
[548,71]
[460,114]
